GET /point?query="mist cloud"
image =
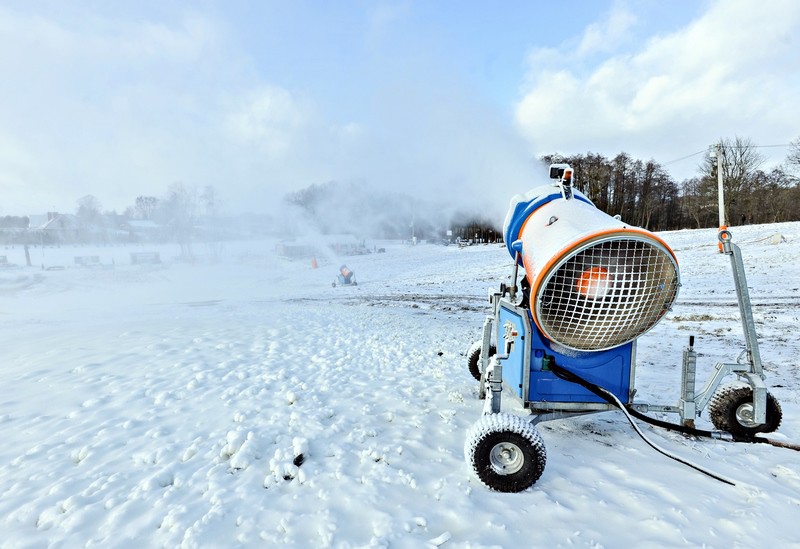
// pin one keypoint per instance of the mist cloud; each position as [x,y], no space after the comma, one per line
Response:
[119,108]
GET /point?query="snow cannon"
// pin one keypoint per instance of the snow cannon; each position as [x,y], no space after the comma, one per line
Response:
[593,281]
[561,338]
[345,277]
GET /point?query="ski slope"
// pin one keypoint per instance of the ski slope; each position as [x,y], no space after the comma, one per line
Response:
[247,403]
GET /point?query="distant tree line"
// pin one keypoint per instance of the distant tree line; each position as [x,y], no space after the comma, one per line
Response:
[14,222]
[182,215]
[644,193]
[475,228]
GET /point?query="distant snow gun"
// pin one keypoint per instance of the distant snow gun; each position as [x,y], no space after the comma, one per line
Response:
[345,277]
[562,336]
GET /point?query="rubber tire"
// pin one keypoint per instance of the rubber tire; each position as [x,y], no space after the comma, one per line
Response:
[728,400]
[495,429]
[474,358]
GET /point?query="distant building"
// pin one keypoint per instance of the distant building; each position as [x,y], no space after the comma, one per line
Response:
[144,230]
[54,228]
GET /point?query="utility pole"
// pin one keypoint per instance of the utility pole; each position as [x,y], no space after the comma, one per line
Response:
[720,191]
[717,155]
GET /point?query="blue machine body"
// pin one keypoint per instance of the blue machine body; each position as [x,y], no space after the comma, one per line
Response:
[526,370]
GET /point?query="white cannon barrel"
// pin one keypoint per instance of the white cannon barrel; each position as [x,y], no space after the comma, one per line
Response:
[595,282]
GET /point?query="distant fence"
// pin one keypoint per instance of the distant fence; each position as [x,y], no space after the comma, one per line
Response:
[145,258]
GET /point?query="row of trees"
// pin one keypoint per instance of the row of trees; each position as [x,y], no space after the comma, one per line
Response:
[182,215]
[751,195]
[173,217]
[644,193]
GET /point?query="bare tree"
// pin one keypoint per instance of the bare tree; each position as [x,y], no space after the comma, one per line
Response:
[89,216]
[769,199]
[146,206]
[740,161]
[211,203]
[598,179]
[177,212]
[209,198]
[623,188]
[794,154]
[89,209]
[656,189]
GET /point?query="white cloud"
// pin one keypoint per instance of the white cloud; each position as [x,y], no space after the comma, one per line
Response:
[193,37]
[113,108]
[67,44]
[270,118]
[607,35]
[730,72]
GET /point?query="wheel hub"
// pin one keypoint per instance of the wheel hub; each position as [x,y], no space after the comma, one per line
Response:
[745,415]
[506,458]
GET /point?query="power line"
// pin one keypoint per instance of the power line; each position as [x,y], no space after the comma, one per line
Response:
[684,157]
[730,147]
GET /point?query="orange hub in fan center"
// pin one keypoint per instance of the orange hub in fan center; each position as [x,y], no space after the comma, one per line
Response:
[593,283]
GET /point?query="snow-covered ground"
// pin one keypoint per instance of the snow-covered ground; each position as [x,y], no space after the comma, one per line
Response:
[246,402]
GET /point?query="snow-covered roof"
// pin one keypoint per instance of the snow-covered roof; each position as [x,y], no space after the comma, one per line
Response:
[143,224]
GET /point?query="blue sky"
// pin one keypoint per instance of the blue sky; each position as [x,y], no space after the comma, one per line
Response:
[454,98]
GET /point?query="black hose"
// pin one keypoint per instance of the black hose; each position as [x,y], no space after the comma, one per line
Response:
[568,375]
[612,399]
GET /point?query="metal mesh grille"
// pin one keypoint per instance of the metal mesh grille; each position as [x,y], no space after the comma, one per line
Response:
[608,293]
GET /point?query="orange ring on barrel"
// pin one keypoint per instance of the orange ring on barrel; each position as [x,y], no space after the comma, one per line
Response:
[566,251]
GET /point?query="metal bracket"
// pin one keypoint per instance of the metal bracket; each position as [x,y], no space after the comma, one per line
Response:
[687,403]
[754,372]
[494,383]
[486,344]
